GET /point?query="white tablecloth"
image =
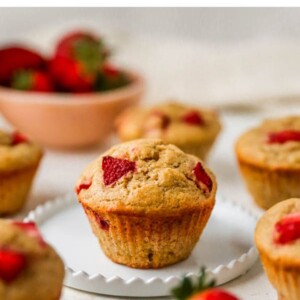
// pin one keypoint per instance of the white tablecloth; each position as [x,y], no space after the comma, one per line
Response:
[59,171]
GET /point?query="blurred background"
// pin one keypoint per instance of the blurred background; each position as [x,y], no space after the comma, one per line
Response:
[215,56]
[243,61]
[209,24]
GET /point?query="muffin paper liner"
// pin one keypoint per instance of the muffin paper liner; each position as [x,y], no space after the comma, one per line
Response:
[14,188]
[285,280]
[148,241]
[269,187]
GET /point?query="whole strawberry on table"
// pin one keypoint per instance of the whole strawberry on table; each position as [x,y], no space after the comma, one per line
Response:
[79,64]
[203,289]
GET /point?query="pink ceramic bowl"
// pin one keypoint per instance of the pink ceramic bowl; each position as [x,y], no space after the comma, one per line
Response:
[68,120]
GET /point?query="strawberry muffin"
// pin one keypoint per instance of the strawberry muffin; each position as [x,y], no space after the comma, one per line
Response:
[269,160]
[148,202]
[29,268]
[193,130]
[19,160]
[277,237]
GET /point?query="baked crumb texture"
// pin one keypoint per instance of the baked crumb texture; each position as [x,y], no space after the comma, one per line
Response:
[154,214]
[192,129]
[271,169]
[281,262]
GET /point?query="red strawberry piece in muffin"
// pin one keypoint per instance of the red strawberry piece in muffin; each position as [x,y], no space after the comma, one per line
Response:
[115,168]
[12,263]
[163,119]
[287,229]
[83,185]
[193,117]
[202,176]
[18,138]
[284,136]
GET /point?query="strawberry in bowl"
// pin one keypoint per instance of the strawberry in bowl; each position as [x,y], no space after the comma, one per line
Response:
[14,58]
[78,59]
[75,94]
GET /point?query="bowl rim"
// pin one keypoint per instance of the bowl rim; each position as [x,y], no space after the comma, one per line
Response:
[136,86]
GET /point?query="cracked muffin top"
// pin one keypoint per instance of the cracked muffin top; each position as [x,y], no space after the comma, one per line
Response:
[275,143]
[29,268]
[144,176]
[173,122]
[277,233]
[16,152]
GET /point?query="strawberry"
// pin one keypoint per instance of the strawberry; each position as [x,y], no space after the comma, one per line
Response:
[115,168]
[284,136]
[31,229]
[18,138]
[193,117]
[202,176]
[110,78]
[287,229]
[213,294]
[201,290]
[83,185]
[70,76]
[17,58]
[81,46]
[31,80]
[111,71]
[103,224]
[78,58]
[12,263]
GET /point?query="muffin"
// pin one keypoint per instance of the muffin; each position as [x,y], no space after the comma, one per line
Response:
[269,160]
[147,202]
[29,268]
[193,130]
[19,160]
[277,237]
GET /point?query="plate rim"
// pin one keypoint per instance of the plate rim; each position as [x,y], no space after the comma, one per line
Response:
[43,211]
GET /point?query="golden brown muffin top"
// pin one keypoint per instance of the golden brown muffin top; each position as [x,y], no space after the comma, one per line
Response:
[16,152]
[29,268]
[173,122]
[266,236]
[146,176]
[275,144]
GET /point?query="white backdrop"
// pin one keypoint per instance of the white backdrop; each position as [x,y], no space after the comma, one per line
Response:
[209,24]
[211,56]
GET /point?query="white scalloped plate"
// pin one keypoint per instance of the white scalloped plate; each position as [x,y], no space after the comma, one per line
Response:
[225,248]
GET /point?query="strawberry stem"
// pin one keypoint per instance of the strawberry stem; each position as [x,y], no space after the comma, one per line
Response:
[22,80]
[187,288]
